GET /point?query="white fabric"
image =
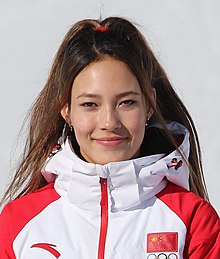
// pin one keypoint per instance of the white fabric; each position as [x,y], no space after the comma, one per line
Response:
[71,224]
[129,182]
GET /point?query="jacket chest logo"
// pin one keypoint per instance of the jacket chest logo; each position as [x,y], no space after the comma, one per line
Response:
[48,247]
[162,245]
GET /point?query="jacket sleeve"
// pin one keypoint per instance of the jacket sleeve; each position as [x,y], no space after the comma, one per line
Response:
[6,249]
[202,240]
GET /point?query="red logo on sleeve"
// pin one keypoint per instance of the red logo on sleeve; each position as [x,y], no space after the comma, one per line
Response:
[48,247]
[162,242]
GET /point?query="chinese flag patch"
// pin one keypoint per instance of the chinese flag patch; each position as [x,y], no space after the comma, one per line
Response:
[162,242]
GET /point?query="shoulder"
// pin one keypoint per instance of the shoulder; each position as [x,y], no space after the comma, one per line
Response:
[36,200]
[20,211]
[200,219]
[186,204]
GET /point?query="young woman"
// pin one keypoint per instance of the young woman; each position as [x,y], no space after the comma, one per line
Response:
[112,165]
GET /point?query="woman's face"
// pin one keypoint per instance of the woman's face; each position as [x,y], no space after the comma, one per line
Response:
[108,112]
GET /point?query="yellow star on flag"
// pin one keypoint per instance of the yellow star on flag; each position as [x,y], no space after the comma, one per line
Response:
[153,239]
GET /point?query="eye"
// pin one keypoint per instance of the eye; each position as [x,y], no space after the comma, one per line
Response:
[88,104]
[128,102]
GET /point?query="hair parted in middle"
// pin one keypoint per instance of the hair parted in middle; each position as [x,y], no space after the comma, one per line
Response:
[82,45]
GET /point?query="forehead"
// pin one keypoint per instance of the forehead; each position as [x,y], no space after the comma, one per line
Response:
[106,76]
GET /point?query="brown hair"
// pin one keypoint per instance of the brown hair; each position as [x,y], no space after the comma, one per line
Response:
[82,45]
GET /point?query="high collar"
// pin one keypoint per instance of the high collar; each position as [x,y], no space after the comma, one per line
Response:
[130,183]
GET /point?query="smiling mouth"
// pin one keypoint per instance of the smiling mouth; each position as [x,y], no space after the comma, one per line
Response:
[111,142]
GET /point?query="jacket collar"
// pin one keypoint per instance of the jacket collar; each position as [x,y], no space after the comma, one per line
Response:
[130,183]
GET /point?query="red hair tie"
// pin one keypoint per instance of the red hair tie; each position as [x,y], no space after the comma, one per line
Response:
[101,28]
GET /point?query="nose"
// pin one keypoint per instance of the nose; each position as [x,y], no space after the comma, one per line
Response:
[109,119]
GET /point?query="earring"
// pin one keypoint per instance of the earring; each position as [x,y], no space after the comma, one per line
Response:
[147,119]
[71,128]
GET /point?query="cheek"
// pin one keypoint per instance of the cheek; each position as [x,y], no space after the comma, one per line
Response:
[139,132]
[136,127]
[82,125]
[137,122]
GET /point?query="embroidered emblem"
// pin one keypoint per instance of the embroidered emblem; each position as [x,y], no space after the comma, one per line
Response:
[162,242]
[175,163]
[48,247]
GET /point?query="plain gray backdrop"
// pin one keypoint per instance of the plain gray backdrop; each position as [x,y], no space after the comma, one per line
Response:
[184,35]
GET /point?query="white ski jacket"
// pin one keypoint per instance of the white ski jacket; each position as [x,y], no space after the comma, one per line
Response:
[136,209]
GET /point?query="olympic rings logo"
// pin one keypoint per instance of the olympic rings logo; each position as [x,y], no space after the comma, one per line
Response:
[162,256]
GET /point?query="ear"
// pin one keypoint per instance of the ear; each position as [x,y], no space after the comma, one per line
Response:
[150,110]
[65,113]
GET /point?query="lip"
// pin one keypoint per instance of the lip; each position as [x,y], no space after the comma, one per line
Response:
[110,141]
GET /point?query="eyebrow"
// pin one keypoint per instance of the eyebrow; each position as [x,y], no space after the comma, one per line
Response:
[121,95]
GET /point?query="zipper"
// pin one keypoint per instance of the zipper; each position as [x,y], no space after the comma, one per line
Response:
[104,218]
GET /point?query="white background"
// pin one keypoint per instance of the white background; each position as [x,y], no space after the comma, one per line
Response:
[185,35]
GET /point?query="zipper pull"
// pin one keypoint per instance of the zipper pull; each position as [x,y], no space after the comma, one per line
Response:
[104,192]
[103,181]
